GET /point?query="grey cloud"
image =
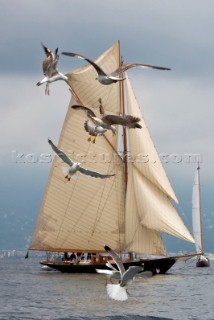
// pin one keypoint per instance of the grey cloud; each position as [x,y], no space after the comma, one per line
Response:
[176,34]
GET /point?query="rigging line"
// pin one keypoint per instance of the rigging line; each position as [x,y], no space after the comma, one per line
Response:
[187,263]
[101,210]
[132,240]
[73,93]
[98,217]
[65,213]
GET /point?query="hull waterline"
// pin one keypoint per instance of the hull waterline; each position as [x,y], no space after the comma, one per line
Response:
[156,266]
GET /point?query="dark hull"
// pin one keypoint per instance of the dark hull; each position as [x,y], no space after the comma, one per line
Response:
[156,266]
[201,263]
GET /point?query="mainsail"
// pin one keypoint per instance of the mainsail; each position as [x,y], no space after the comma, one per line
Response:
[83,214]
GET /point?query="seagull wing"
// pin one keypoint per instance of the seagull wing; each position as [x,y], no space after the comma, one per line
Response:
[127,66]
[129,274]
[47,51]
[48,60]
[124,120]
[85,109]
[96,67]
[116,259]
[61,154]
[110,266]
[94,173]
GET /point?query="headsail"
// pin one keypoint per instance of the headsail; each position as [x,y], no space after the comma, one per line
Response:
[150,192]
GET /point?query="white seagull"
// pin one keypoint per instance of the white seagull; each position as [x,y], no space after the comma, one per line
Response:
[113,77]
[103,78]
[108,120]
[76,166]
[50,70]
[93,130]
[119,291]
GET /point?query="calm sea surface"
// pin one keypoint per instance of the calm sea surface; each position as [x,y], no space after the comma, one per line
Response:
[26,292]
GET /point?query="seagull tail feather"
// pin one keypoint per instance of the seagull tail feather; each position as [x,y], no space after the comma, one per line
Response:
[116,292]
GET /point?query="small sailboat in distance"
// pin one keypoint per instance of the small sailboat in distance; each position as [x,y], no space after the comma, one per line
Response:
[202,260]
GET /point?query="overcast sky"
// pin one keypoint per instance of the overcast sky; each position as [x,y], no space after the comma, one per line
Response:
[177,105]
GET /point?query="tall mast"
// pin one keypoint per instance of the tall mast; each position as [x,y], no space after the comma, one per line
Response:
[122,110]
[200,210]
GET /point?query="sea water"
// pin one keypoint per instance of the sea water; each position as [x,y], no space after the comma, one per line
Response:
[27,292]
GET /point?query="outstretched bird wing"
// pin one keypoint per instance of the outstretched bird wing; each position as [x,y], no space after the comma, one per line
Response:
[127,66]
[123,120]
[61,154]
[47,51]
[85,109]
[48,60]
[116,259]
[94,173]
[96,67]
[110,266]
[129,274]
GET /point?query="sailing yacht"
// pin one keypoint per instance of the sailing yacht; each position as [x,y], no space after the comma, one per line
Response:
[128,212]
[202,260]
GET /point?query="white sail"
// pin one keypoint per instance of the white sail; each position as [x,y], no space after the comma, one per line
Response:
[196,213]
[150,190]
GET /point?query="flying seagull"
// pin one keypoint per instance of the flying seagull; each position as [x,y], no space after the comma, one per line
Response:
[93,130]
[103,78]
[113,77]
[76,166]
[118,291]
[50,70]
[107,120]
